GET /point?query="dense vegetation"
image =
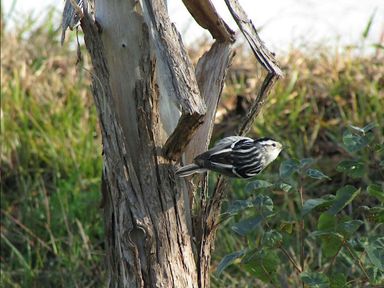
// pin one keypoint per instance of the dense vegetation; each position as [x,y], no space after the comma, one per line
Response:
[51,224]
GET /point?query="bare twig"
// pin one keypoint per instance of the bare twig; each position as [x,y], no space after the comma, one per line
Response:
[334,257]
[301,192]
[290,259]
[263,55]
[268,61]
[211,211]
[357,260]
[258,103]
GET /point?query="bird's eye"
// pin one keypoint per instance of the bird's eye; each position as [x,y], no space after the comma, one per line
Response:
[273,145]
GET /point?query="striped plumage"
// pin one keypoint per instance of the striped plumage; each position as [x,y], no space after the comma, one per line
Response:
[235,156]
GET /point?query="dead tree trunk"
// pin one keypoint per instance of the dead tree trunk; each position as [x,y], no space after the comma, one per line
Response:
[154,107]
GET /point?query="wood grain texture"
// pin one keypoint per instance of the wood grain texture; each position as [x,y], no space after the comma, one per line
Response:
[207,17]
[148,242]
[177,70]
[210,73]
[178,76]
[263,55]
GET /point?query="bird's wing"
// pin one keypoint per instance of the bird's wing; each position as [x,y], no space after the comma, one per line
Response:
[220,157]
[228,141]
[242,158]
[223,144]
[224,153]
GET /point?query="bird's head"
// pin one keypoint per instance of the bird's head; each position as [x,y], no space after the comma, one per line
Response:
[271,148]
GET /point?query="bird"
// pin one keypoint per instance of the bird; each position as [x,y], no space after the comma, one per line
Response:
[235,156]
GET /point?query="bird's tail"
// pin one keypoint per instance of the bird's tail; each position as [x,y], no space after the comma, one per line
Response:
[189,170]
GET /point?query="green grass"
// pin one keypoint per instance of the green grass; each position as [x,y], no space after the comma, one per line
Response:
[51,227]
[51,223]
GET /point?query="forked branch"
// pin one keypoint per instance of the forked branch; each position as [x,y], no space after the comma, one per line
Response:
[211,210]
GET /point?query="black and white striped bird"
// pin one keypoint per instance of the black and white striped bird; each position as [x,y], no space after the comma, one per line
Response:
[235,156]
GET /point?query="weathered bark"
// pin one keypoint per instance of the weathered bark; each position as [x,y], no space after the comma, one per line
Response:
[209,213]
[148,242]
[153,107]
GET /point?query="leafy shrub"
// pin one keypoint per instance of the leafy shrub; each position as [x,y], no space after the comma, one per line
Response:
[329,241]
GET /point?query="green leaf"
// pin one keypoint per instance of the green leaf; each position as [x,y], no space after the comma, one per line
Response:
[373,214]
[286,226]
[304,163]
[377,191]
[272,239]
[331,244]
[375,252]
[331,240]
[239,205]
[344,196]
[338,280]
[312,204]
[352,168]
[316,174]
[228,260]
[368,26]
[354,142]
[369,127]
[263,203]
[333,235]
[376,276]
[379,148]
[348,228]
[258,184]
[322,233]
[262,264]
[326,222]
[315,279]
[284,187]
[288,167]
[247,225]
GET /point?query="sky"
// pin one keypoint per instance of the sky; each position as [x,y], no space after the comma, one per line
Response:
[283,22]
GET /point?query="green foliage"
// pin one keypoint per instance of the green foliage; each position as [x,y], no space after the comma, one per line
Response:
[228,260]
[316,280]
[377,191]
[50,159]
[318,204]
[262,264]
[316,174]
[352,168]
[327,240]
[338,280]
[344,196]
